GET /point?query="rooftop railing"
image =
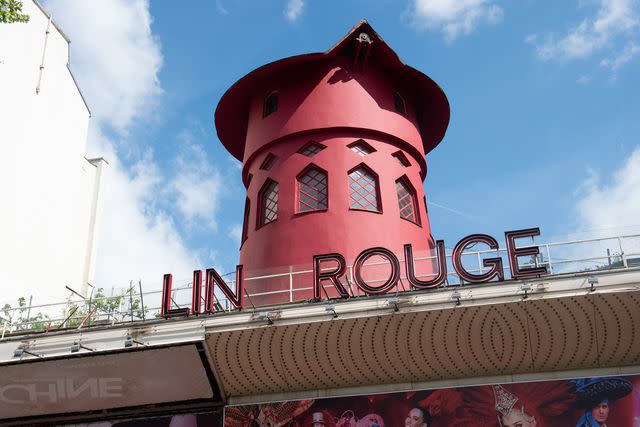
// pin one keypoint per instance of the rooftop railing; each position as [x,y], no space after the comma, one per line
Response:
[294,284]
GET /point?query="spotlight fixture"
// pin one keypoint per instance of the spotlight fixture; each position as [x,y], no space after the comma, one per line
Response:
[264,315]
[331,309]
[393,301]
[455,295]
[18,352]
[129,342]
[76,346]
[526,288]
[592,282]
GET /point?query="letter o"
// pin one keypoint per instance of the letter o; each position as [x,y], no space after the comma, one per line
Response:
[391,281]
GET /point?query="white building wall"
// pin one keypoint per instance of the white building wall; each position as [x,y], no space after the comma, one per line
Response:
[49,192]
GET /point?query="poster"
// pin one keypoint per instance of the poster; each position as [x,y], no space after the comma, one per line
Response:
[584,402]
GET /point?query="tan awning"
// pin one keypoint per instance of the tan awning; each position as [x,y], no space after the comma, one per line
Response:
[409,349]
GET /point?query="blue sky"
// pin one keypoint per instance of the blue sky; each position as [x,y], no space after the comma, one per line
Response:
[545,114]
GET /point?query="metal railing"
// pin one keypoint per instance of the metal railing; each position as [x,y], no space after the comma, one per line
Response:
[294,284]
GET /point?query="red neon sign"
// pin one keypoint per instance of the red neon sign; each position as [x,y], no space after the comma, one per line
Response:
[334,275]
[212,279]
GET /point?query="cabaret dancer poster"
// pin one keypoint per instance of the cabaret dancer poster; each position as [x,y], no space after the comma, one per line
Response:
[585,402]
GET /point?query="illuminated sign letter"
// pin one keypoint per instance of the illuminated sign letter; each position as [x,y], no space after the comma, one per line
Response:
[213,278]
[333,275]
[391,281]
[442,268]
[518,272]
[196,292]
[494,263]
[166,310]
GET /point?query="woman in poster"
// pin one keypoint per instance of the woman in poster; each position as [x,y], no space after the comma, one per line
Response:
[441,406]
[417,417]
[518,405]
[596,395]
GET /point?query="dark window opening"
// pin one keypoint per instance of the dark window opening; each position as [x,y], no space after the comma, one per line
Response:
[401,158]
[245,224]
[398,102]
[268,162]
[270,104]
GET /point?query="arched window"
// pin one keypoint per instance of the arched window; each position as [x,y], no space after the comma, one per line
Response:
[364,191]
[270,104]
[407,200]
[268,197]
[312,190]
[245,224]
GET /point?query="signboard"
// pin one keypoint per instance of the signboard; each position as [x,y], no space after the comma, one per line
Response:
[594,402]
[335,275]
[91,383]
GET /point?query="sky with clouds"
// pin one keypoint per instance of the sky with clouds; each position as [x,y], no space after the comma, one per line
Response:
[544,114]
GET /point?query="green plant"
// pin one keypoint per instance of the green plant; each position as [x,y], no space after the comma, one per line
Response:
[100,305]
[10,11]
[21,316]
[6,311]
[75,313]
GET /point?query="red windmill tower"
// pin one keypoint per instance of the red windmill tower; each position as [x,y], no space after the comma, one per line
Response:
[333,148]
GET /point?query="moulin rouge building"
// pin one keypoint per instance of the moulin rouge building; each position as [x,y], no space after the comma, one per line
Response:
[333,148]
[345,310]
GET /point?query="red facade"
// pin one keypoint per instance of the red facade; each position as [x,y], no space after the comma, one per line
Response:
[333,148]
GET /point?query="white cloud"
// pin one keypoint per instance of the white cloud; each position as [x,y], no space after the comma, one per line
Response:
[627,54]
[235,233]
[136,239]
[614,23]
[454,17]
[605,208]
[116,59]
[614,206]
[293,10]
[220,7]
[114,56]
[196,186]
[583,80]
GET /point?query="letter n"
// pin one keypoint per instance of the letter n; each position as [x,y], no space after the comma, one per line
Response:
[213,278]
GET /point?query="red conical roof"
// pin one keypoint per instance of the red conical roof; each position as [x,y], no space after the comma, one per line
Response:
[430,101]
